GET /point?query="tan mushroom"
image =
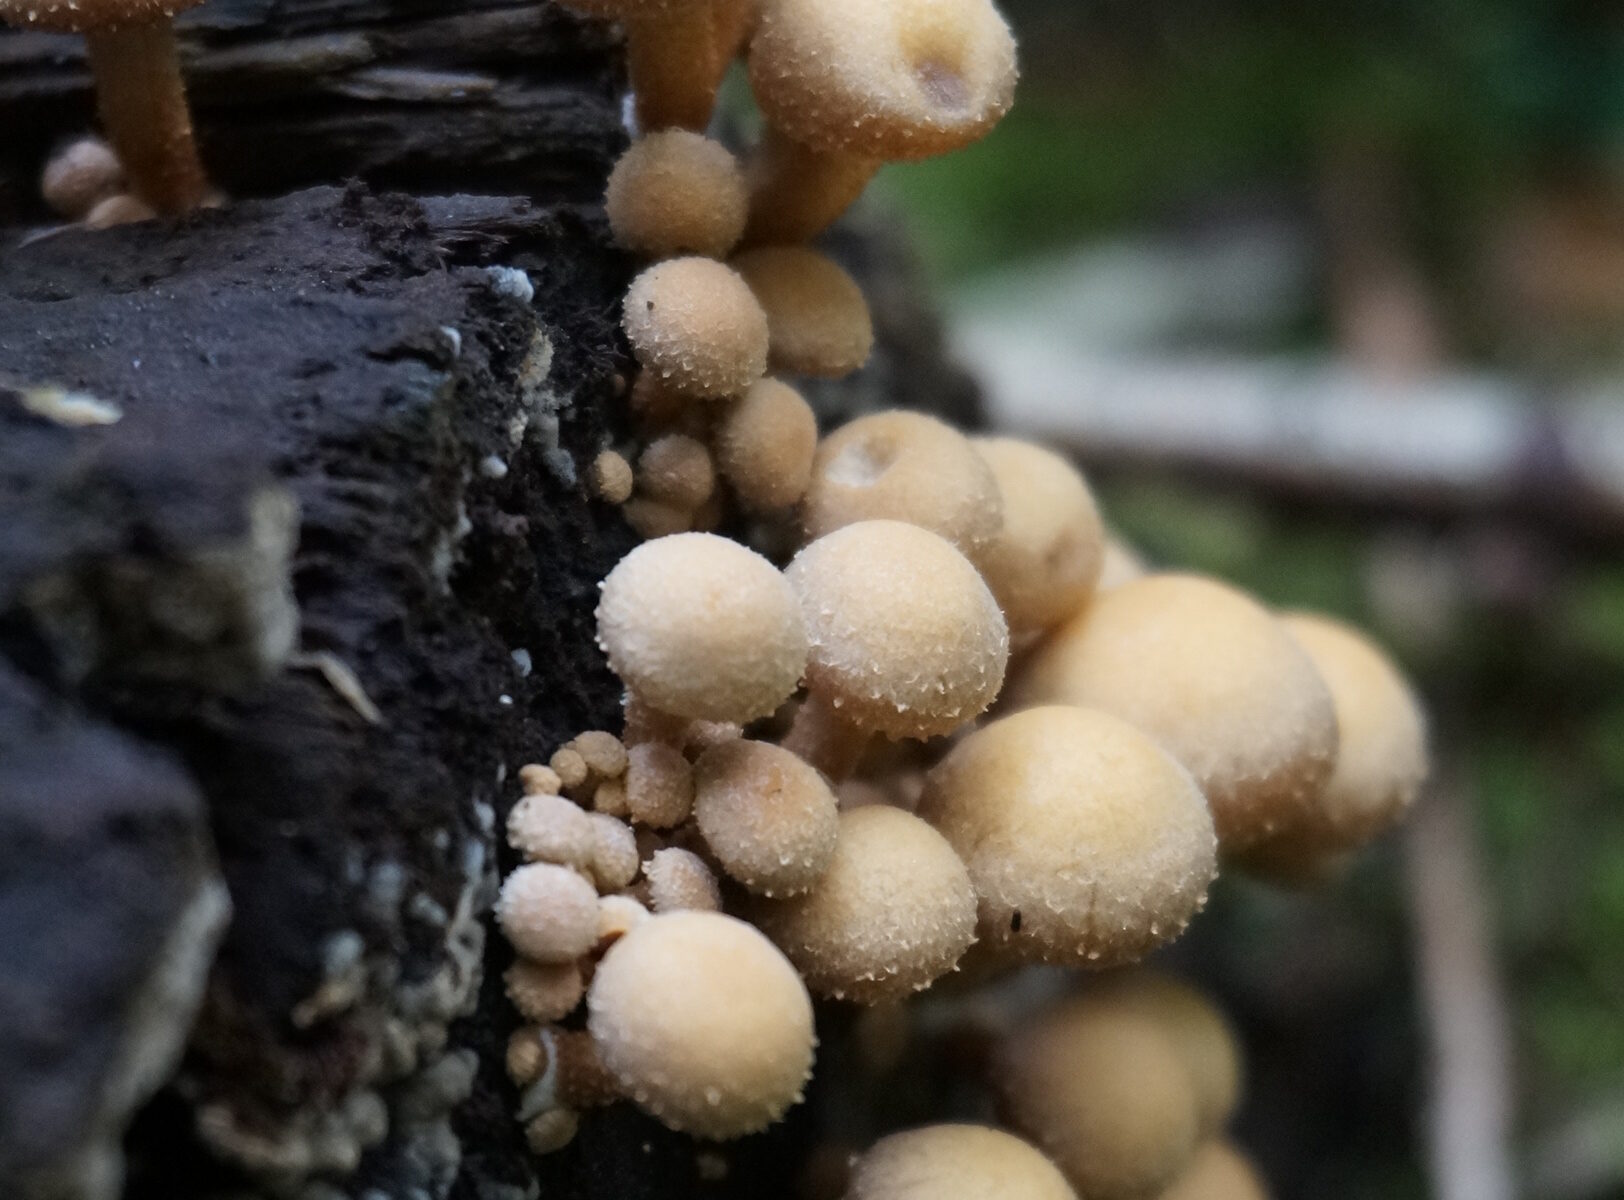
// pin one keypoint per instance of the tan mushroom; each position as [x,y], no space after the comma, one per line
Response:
[659,786]
[769,819]
[1121,563]
[671,55]
[549,913]
[695,325]
[544,992]
[676,470]
[764,446]
[675,192]
[1218,1172]
[955,1162]
[679,880]
[548,828]
[817,319]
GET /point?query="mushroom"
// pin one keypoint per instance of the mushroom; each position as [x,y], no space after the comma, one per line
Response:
[768,818]
[537,780]
[1088,844]
[676,470]
[703,1024]
[955,1162]
[676,192]
[1218,1172]
[671,56]
[612,478]
[1104,1093]
[615,860]
[551,829]
[906,640]
[696,326]
[679,880]
[80,175]
[618,915]
[569,765]
[764,446]
[548,912]
[817,319]
[849,84]
[1121,563]
[659,786]
[904,466]
[139,91]
[122,209]
[893,912]
[601,751]
[1216,679]
[1046,559]
[544,992]
[1381,759]
[700,627]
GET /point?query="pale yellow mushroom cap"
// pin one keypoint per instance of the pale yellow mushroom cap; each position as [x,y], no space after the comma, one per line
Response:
[703,1023]
[817,319]
[764,446]
[697,326]
[549,913]
[955,1162]
[893,912]
[906,639]
[549,828]
[80,16]
[1199,1031]
[1045,561]
[904,466]
[1213,676]
[700,627]
[677,192]
[1218,1172]
[1088,844]
[1120,564]
[769,819]
[905,79]
[1104,1094]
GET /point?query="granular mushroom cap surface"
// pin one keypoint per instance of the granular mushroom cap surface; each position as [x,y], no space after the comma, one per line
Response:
[955,1162]
[817,320]
[549,913]
[695,324]
[765,444]
[78,16]
[703,1023]
[769,819]
[1088,844]
[677,192]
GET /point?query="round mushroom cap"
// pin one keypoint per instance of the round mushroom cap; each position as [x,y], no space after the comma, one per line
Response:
[677,192]
[695,324]
[768,818]
[955,1162]
[817,319]
[1199,1031]
[1216,679]
[1120,563]
[765,443]
[1104,1094]
[81,16]
[893,912]
[1218,1172]
[700,627]
[548,912]
[904,466]
[1046,560]
[906,640]
[79,175]
[702,1023]
[1088,843]
[907,79]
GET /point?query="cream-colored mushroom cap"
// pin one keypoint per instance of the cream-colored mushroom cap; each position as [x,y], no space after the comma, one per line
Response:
[548,912]
[1088,843]
[697,326]
[700,627]
[1120,564]
[904,466]
[893,912]
[901,80]
[677,192]
[1218,1172]
[1214,677]
[955,1162]
[703,1023]
[1102,1093]
[1046,560]
[1200,1032]
[768,818]
[906,639]
[817,319]
[764,446]
[80,16]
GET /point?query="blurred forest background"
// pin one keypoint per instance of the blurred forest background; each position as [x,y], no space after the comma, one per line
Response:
[1330,300]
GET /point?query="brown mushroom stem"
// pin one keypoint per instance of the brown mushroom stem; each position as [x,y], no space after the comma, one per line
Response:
[821,735]
[671,61]
[572,1075]
[797,192]
[142,100]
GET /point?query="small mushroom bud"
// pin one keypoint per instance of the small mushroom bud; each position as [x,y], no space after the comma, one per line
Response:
[1088,844]
[544,992]
[551,829]
[894,911]
[817,319]
[612,478]
[700,627]
[80,175]
[570,767]
[537,780]
[696,326]
[618,916]
[768,817]
[614,852]
[676,470]
[654,519]
[526,1057]
[955,1162]
[550,1131]
[549,913]
[904,466]
[1104,1094]
[1216,679]
[602,752]
[679,880]
[764,446]
[703,1024]
[1218,1172]
[1043,563]
[675,192]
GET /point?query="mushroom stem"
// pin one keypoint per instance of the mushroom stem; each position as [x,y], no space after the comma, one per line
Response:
[142,100]
[821,735]
[797,192]
[672,61]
